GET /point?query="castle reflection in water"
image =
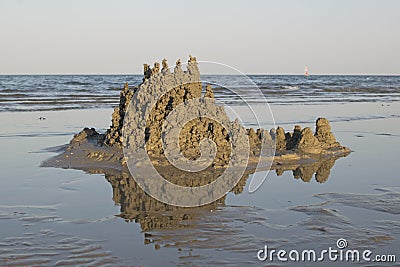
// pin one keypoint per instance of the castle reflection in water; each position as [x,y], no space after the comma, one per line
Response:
[137,206]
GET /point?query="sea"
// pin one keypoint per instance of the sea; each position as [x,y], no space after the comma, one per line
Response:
[63,92]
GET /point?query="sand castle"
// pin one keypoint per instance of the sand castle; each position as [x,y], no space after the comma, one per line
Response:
[302,140]
[90,149]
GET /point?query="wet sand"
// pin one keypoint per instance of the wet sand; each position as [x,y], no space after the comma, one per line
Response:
[54,216]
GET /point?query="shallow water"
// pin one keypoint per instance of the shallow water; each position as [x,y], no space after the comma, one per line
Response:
[60,92]
[58,217]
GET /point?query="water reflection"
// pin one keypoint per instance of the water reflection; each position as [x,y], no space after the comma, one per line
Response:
[320,170]
[151,214]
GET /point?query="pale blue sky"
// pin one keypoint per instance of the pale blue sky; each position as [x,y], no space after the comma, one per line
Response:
[268,37]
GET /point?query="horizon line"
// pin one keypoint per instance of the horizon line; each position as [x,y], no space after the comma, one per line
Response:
[207,74]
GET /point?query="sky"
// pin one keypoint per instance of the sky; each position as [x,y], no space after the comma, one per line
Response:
[255,37]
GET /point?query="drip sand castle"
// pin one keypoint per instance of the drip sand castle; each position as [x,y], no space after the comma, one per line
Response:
[99,152]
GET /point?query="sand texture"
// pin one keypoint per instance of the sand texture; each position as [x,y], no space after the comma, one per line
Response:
[284,150]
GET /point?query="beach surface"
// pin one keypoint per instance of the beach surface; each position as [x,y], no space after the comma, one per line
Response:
[55,216]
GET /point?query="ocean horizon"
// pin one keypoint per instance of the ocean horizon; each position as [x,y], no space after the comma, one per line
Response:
[63,92]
